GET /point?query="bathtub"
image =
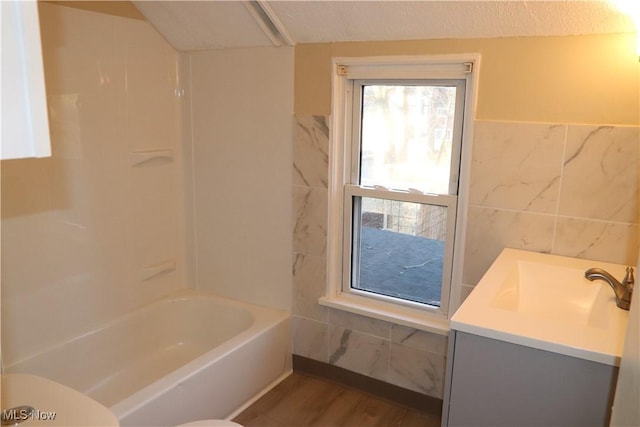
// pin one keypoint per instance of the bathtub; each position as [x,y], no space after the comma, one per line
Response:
[186,357]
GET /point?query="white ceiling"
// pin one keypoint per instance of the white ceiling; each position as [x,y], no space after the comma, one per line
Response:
[215,24]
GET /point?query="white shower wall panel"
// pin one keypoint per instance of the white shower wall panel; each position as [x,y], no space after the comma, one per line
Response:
[241,110]
[79,228]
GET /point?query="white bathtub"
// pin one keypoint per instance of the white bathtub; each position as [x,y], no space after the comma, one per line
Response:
[190,356]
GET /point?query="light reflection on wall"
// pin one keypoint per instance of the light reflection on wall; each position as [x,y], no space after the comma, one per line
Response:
[632,9]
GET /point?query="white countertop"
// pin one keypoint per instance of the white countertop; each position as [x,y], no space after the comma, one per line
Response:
[545,302]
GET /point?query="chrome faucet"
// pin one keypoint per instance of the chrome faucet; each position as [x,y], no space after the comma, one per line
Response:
[623,290]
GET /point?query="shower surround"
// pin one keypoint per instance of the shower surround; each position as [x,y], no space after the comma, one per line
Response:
[97,229]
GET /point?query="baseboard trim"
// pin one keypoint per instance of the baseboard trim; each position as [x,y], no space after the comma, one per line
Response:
[411,399]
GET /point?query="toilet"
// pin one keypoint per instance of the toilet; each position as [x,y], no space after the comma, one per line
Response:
[210,423]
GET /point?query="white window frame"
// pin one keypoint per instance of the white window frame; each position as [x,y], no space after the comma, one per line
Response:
[345,72]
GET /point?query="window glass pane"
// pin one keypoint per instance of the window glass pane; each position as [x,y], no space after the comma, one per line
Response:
[399,249]
[407,134]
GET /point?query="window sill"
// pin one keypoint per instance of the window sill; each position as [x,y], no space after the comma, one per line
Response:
[405,316]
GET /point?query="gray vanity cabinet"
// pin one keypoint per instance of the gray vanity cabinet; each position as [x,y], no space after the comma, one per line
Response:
[496,383]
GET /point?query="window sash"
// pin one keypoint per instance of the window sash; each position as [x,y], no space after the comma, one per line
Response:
[355,121]
[351,252]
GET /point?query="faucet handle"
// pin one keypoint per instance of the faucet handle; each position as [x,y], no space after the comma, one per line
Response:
[628,280]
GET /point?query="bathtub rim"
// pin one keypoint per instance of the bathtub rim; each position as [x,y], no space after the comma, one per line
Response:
[179,295]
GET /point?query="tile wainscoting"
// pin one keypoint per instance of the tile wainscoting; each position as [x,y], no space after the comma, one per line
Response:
[568,190]
[562,189]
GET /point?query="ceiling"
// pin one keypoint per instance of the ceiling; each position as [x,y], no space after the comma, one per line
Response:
[215,24]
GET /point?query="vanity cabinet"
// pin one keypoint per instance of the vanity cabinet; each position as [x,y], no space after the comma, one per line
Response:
[535,344]
[497,383]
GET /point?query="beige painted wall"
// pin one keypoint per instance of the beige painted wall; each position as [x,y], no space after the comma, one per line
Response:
[570,79]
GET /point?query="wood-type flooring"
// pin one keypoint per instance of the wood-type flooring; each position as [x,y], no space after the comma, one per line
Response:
[302,400]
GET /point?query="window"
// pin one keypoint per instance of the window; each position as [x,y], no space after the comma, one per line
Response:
[396,218]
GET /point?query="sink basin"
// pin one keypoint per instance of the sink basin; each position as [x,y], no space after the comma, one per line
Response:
[554,293]
[544,301]
[54,404]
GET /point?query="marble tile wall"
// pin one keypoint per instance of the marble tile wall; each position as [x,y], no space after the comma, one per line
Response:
[393,353]
[568,190]
[563,189]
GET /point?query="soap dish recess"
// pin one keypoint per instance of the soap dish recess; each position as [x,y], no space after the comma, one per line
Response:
[144,156]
